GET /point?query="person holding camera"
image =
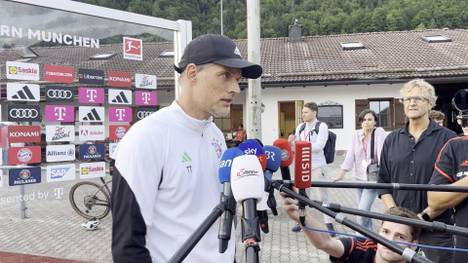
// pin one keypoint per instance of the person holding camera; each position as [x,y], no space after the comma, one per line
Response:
[364,157]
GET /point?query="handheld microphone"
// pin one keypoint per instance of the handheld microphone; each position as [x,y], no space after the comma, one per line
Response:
[254,147]
[224,172]
[247,183]
[303,173]
[273,155]
[286,157]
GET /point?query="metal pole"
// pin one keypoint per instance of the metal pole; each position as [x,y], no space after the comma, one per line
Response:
[221,14]
[254,92]
[23,206]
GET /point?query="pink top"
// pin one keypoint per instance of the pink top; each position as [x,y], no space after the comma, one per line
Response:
[358,157]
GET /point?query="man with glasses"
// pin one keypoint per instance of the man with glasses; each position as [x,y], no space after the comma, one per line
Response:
[452,168]
[408,156]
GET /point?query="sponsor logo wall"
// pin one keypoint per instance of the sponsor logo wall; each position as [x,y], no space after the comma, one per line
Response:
[24,155]
[144,81]
[91,76]
[90,95]
[62,172]
[145,98]
[92,152]
[59,94]
[92,170]
[117,132]
[19,176]
[132,48]
[92,133]
[91,114]
[143,112]
[119,97]
[122,114]
[119,79]
[60,133]
[24,134]
[59,113]
[60,153]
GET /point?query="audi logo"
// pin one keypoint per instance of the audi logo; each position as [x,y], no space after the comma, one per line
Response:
[59,94]
[143,114]
[24,113]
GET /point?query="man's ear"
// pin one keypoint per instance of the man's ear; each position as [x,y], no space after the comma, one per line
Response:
[191,72]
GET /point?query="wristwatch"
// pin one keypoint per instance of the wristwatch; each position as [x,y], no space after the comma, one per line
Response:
[426,217]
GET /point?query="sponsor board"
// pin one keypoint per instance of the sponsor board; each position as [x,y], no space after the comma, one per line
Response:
[59,94]
[91,76]
[24,134]
[122,114]
[19,176]
[143,112]
[1,157]
[119,79]
[24,155]
[145,81]
[23,92]
[112,148]
[20,113]
[62,172]
[22,71]
[119,97]
[92,133]
[59,113]
[60,133]
[1,178]
[91,114]
[132,48]
[60,153]
[92,170]
[146,98]
[59,74]
[90,95]
[117,132]
[92,152]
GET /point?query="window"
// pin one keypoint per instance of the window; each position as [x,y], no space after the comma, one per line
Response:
[352,45]
[436,39]
[389,110]
[229,123]
[382,108]
[332,115]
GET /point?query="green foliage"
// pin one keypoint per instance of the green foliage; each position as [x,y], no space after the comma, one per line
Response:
[319,17]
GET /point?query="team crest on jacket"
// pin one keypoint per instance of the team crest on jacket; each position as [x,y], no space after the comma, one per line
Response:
[217,147]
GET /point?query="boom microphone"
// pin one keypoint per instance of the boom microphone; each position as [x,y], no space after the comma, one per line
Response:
[247,184]
[225,223]
[302,173]
[286,157]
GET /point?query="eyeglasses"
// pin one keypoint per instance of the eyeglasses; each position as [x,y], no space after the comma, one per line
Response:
[417,99]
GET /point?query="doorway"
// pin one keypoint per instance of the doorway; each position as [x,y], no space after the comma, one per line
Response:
[289,114]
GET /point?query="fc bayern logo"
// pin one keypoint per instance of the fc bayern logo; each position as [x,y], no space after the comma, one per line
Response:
[120,132]
[24,155]
[24,174]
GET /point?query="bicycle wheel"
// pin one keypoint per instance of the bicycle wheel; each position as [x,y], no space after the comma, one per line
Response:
[89,200]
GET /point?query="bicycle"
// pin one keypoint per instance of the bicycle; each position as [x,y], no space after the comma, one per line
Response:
[91,200]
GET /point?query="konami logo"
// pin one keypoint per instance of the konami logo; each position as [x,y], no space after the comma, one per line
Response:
[119,79]
[24,134]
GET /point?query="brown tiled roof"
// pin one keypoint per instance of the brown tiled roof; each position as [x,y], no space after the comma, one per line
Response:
[387,56]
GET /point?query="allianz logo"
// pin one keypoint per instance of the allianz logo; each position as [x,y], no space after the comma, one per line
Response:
[69,152]
[59,172]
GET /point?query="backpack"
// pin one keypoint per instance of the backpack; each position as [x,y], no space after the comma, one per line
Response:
[329,149]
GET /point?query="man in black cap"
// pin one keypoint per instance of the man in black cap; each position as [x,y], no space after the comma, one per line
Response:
[166,180]
[451,167]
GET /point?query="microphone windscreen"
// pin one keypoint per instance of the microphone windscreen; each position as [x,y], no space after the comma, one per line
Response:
[247,180]
[268,175]
[303,165]
[251,146]
[273,155]
[224,171]
[286,152]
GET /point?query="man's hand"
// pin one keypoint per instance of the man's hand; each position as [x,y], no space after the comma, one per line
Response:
[290,206]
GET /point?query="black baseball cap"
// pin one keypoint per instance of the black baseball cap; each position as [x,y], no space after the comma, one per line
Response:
[220,50]
[460,100]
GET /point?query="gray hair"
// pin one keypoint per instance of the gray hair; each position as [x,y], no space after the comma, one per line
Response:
[422,85]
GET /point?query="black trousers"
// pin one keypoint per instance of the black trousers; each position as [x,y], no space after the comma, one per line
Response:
[437,239]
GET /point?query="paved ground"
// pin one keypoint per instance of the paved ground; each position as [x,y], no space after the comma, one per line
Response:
[53,228]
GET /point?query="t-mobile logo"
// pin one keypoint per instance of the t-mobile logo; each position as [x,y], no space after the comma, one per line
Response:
[146,97]
[60,113]
[91,94]
[120,114]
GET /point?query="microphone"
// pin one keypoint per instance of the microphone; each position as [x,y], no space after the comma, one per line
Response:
[273,155]
[247,183]
[303,173]
[224,172]
[254,147]
[286,157]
